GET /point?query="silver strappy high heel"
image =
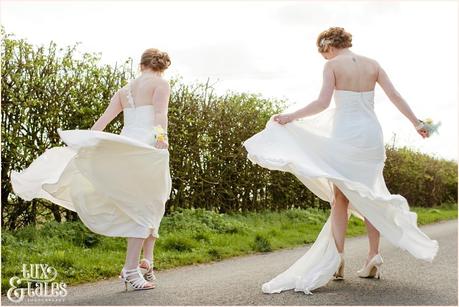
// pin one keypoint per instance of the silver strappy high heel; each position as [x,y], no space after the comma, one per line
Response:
[138,282]
[147,272]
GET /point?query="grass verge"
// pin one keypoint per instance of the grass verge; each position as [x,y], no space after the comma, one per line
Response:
[187,237]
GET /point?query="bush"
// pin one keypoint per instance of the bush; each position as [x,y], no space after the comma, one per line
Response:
[176,243]
[423,180]
[44,88]
[214,254]
[261,244]
[199,221]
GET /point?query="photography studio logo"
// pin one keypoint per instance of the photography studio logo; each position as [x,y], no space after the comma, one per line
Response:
[37,283]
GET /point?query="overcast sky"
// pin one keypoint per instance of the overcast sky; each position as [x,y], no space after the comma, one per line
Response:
[268,47]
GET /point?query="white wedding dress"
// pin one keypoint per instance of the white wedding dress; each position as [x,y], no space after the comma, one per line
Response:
[341,145]
[118,184]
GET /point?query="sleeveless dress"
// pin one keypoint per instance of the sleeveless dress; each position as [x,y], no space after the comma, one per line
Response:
[342,145]
[117,183]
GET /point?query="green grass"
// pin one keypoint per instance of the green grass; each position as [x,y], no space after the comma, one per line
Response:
[187,237]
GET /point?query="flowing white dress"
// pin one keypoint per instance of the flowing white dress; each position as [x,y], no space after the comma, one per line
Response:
[342,145]
[117,183]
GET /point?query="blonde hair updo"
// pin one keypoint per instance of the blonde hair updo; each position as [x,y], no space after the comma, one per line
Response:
[334,37]
[155,59]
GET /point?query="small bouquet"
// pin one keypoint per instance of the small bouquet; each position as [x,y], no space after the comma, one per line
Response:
[160,134]
[428,125]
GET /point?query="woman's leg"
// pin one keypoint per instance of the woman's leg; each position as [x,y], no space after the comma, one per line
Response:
[134,245]
[373,238]
[339,218]
[148,247]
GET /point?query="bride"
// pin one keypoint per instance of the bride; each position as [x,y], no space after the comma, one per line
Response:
[118,184]
[338,153]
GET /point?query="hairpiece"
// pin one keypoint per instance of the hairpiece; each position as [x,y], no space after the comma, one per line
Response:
[324,42]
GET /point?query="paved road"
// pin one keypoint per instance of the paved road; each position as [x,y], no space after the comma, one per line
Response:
[237,281]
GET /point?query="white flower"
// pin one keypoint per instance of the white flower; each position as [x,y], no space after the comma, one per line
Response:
[324,42]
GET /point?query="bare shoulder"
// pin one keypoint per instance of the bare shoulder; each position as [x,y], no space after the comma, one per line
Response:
[336,64]
[331,62]
[370,61]
[123,88]
[156,82]
[330,65]
[163,83]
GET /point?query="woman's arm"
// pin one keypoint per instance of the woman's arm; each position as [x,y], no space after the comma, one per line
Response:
[113,109]
[161,104]
[318,105]
[397,99]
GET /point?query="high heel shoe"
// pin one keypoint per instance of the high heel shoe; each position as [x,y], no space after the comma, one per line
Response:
[147,269]
[373,268]
[138,282]
[339,274]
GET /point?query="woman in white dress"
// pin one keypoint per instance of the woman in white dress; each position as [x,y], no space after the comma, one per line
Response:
[338,153]
[118,184]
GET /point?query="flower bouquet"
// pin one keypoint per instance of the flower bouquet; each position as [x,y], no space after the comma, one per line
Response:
[428,125]
[160,134]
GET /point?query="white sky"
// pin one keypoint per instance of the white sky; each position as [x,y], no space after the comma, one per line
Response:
[268,47]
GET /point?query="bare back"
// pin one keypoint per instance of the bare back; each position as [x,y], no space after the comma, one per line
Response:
[355,72]
[143,89]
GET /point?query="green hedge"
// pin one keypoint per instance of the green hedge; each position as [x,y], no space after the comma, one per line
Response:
[423,180]
[44,88]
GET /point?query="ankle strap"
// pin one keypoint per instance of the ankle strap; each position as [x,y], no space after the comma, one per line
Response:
[148,261]
[130,270]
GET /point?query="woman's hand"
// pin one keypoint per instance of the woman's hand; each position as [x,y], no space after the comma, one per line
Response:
[161,144]
[423,132]
[420,128]
[283,118]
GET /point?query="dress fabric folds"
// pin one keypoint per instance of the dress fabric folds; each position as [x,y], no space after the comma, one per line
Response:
[117,183]
[342,145]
